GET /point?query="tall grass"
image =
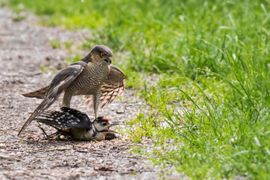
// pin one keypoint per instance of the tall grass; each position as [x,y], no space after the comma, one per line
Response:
[210,111]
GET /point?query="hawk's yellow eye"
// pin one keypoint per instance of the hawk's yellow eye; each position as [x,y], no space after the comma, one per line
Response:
[102,54]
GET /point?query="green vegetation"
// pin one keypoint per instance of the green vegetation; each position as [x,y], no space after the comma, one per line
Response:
[18,17]
[55,44]
[210,111]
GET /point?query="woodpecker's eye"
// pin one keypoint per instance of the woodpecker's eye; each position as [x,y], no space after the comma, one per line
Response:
[104,124]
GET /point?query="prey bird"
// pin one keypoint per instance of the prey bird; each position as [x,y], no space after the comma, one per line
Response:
[77,125]
[93,76]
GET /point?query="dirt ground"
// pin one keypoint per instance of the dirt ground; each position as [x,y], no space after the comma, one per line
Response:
[24,48]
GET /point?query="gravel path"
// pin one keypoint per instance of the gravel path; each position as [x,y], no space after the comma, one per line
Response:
[24,48]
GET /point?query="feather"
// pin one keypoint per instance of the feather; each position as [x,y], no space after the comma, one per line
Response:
[66,118]
[110,89]
[40,93]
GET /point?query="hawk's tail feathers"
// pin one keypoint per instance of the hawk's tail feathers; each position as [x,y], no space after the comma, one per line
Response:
[43,106]
[40,93]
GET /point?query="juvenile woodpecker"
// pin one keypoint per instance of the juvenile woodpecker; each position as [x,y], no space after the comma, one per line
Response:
[77,124]
[93,76]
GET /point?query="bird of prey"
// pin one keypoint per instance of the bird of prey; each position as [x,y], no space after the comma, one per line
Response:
[77,124]
[93,76]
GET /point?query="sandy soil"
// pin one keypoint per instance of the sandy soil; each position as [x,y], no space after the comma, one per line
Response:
[24,48]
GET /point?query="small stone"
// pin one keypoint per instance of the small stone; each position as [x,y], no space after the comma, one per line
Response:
[120,111]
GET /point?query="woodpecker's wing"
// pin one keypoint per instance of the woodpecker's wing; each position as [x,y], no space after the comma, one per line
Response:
[67,118]
[59,83]
[111,88]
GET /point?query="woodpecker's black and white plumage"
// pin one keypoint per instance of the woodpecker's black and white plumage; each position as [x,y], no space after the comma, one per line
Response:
[77,124]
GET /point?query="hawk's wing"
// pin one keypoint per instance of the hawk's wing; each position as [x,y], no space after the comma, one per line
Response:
[67,118]
[65,77]
[59,83]
[111,88]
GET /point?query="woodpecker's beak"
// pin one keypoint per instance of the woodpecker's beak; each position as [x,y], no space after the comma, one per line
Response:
[113,124]
[112,131]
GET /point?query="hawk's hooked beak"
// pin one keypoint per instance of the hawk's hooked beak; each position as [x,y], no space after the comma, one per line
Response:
[108,60]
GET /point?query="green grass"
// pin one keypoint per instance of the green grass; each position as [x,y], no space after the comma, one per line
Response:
[55,44]
[210,111]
